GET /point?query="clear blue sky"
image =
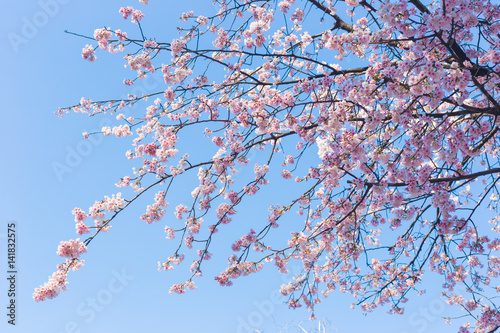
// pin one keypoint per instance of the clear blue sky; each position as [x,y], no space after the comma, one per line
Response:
[119,288]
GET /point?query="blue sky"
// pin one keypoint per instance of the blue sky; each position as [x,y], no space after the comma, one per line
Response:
[119,288]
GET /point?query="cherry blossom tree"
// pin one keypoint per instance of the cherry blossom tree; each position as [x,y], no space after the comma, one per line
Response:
[378,118]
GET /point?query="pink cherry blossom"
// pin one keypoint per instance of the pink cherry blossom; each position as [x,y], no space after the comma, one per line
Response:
[384,114]
[71,248]
[88,53]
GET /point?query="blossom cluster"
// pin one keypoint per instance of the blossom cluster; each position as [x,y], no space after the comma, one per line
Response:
[71,248]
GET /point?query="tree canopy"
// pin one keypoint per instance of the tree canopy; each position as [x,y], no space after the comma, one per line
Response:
[378,120]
